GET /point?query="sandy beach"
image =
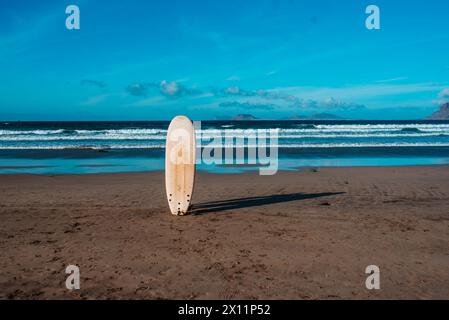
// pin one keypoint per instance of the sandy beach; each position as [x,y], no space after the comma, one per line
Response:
[306,234]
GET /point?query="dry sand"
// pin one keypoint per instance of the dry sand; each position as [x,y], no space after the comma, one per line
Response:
[295,235]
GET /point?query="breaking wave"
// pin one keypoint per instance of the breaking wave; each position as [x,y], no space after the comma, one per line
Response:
[289,136]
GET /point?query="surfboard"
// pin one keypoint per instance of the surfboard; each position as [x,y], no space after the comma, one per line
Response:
[180,164]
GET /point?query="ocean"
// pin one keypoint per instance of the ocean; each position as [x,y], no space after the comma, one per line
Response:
[95,147]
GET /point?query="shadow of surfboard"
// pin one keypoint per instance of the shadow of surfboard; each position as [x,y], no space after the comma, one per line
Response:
[240,203]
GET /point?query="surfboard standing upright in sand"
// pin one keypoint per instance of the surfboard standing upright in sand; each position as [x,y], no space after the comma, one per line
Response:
[180,164]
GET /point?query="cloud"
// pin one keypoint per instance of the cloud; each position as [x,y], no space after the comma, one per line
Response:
[290,101]
[329,103]
[168,89]
[374,95]
[332,103]
[265,94]
[444,94]
[95,100]
[443,97]
[341,98]
[237,97]
[95,83]
[246,105]
[239,92]
[174,89]
[233,78]
[391,80]
[137,89]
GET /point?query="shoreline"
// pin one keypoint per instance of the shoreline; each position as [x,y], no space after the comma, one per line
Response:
[204,172]
[83,162]
[296,235]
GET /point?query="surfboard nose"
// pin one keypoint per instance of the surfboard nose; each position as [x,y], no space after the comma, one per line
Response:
[181,118]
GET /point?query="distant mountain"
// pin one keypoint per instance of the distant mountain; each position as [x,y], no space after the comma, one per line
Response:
[317,116]
[244,117]
[441,114]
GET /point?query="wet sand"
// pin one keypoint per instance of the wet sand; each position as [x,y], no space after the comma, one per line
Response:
[297,235]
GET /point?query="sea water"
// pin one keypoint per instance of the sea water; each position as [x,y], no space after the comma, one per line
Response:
[95,147]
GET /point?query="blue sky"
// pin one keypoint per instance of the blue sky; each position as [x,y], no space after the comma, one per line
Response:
[151,60]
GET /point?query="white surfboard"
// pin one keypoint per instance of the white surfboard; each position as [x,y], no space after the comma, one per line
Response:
[180,164]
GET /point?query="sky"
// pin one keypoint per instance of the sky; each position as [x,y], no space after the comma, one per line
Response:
[274,59]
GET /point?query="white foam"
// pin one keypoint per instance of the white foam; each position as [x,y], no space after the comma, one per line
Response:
[162,146]
[368,135]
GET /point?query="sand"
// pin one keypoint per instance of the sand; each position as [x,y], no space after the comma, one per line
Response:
[297,235]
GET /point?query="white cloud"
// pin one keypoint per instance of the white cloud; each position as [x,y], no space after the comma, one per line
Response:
[444,94]
[233,90]
[362,92]
[137,89]
[169,88]
[443,97]
[176,90]
[391,80]
[233,78]
[92,101]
